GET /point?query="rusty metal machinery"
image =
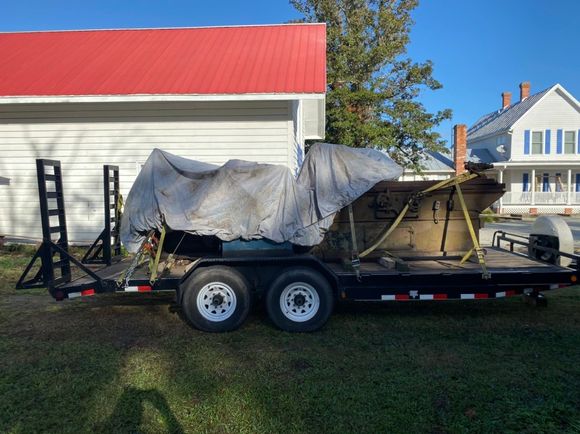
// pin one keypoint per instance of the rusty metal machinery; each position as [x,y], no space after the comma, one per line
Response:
[421,218]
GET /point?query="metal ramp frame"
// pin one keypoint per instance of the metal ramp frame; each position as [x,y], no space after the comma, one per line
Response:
[107,247]
[51,273]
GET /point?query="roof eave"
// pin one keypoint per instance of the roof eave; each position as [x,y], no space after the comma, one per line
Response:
[158,98]
[487,136]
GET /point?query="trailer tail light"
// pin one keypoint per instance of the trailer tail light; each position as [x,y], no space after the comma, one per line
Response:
[573,278]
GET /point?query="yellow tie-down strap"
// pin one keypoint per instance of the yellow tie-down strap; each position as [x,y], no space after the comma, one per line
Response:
[455,181]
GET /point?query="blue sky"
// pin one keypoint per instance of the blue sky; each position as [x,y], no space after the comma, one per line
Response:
[479,48]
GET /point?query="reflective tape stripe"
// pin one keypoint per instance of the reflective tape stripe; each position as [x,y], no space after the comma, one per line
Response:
[140,288]
[474,296]
[84,292]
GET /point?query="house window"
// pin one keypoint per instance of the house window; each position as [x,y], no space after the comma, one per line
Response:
[569,142]
[546,182]
[537,142]
[526,183]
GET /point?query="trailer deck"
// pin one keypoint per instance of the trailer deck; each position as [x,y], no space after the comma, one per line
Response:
[426,278]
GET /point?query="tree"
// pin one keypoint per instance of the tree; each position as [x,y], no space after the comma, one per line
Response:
[372,87]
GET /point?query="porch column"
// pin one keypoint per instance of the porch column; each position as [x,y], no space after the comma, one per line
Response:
[500,180]
[569,199]
[533,184]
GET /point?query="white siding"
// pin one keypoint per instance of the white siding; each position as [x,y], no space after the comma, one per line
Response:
[86,136]
[296,138]
[313,112]
[553,112]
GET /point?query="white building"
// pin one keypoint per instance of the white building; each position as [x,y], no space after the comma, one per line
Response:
[534,145]
[89,98]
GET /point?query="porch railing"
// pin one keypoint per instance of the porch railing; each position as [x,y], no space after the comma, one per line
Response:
[540,198]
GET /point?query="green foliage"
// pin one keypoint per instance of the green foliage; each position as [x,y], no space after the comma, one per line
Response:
[372,87]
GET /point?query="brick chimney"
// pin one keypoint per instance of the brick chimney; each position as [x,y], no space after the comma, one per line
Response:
[506,99]
[524,90]
[460,147]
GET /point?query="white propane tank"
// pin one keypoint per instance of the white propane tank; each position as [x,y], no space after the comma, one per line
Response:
[554,232]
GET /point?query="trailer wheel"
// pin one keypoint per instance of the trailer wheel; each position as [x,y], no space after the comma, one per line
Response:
[300,300]
[216,299]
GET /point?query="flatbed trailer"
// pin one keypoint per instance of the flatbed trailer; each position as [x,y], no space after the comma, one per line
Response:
[215,291]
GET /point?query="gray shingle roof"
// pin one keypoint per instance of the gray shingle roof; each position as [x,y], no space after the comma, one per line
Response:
[481,156]
[443,161]
[502,120]
[436,161]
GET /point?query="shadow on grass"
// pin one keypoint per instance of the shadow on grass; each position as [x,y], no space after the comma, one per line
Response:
[129,411]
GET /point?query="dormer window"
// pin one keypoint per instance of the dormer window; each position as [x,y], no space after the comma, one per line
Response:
[537,142]
[569,142]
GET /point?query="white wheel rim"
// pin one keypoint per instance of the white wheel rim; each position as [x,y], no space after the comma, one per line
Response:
[299,302]
[216,301]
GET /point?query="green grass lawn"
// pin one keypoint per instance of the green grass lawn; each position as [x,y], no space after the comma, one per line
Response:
[125,363]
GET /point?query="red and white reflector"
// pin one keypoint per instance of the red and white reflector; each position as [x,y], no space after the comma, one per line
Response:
[82,293]
[140,288]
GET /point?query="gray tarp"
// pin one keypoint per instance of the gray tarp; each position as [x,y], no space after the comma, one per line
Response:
[247,200]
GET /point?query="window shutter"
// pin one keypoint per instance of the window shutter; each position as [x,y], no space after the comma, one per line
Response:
[577,189]
[527,142]
[578,138]
[547,143]
[526,182]
[559,141]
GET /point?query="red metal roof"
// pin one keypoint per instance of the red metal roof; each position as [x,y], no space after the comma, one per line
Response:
[215,60]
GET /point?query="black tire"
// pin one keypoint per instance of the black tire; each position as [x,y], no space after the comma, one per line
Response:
[299,316]
[224,317]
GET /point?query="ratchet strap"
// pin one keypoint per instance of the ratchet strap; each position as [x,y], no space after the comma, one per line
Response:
[440,185]
[354,256]
[154,263]
[476,247]
[138,259]
[452,182]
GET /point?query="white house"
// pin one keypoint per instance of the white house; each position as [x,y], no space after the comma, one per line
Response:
[96,97]
[534,145]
